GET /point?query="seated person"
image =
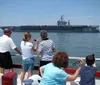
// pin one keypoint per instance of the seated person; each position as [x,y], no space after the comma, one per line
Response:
[53,73]
[87,73]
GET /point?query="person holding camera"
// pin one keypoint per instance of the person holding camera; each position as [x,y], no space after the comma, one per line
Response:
[27,49]
[53,73]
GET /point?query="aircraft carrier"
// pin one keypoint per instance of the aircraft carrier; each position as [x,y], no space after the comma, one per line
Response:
[62,26]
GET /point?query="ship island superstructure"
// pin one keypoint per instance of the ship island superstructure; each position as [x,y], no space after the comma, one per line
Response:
[62,22]
[62,26]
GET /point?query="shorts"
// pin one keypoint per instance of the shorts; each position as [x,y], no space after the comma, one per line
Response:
[44,62]
[28,65]
[5,60]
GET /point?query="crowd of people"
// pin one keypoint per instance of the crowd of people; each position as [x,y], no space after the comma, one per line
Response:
[51,64]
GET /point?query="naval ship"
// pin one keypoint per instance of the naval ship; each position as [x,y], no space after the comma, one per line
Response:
[62,26]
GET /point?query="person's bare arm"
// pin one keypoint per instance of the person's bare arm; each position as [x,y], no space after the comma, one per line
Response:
[38,53]
[94,65]
[16,49]
[41,71]
[73,77]
[35,49]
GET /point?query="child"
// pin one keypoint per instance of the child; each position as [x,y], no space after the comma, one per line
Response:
[87,72]
[27,55]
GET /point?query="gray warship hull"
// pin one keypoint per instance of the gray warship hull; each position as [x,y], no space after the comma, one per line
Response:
[71,28]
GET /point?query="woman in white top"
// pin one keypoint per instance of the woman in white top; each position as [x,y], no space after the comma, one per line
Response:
[27,55]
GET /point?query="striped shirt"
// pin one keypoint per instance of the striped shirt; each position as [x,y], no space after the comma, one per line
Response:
[46,50]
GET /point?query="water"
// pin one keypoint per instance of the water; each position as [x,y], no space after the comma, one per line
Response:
[75,44]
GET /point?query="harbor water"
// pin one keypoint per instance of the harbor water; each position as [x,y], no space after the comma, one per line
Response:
[75,44]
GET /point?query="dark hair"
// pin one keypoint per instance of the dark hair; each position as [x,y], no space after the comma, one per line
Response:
[90,59]
[43,34]
[26,36]
[60,59]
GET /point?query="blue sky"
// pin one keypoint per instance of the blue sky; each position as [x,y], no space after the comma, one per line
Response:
[47,12]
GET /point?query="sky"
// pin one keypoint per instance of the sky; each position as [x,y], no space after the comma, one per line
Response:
[47,12]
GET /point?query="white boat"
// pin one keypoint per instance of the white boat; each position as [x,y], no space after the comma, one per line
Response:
[35,76]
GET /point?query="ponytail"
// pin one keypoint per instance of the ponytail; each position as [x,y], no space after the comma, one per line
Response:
[26,36]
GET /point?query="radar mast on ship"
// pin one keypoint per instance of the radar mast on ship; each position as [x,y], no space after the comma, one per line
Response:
[62,22]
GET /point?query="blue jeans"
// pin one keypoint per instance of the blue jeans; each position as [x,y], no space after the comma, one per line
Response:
[28,64]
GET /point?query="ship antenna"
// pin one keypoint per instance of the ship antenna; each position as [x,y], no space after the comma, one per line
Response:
[62,18]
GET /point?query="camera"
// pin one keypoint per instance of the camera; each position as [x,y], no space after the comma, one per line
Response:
[34,39]
[75,63]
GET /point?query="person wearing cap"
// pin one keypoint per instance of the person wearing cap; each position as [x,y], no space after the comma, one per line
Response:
[6,43]
[46,48]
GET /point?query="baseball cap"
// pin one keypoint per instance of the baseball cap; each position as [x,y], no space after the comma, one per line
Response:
[7,30]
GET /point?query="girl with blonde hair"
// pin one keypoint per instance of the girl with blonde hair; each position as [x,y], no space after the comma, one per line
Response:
[27,49]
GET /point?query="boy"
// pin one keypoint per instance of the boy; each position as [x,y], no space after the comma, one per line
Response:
[87,72]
